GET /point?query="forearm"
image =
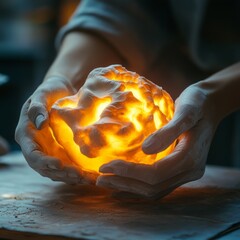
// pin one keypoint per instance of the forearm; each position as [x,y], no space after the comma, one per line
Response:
[79,54]
[223,90]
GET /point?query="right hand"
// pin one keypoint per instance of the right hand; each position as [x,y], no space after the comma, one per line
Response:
[46,157]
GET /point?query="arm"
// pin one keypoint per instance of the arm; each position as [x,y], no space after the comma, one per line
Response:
[223,90]
[199,109]
[81,52]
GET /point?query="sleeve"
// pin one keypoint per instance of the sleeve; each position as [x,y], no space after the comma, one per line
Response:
[137,29]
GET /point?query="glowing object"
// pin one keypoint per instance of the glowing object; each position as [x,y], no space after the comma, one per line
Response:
[110,117]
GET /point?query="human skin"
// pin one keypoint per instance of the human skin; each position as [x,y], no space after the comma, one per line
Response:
[78,55]
[199,109]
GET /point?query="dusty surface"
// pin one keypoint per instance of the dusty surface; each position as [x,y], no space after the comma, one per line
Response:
[32,206]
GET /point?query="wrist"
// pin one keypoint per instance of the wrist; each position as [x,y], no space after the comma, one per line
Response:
[222,91]
[211,103]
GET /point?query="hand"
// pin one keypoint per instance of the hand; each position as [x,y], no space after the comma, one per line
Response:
[193,125]
[46,157]
[4,147]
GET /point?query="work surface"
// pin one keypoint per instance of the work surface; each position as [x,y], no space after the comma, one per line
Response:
[33,207]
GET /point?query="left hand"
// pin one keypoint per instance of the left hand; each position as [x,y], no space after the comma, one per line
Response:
[42,152]
[193,125]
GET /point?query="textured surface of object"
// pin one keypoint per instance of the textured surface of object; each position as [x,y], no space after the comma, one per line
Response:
[110,117]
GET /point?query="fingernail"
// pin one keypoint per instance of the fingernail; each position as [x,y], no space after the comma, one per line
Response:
[104,169]
[39,120]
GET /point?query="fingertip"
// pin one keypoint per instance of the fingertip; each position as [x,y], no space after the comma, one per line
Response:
[117,167]
[151,145]
[161,139]
[111,166]
[39,121]
[105,169]
[147,143]
[146,146]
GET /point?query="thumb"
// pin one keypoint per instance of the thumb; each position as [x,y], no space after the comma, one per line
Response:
[37,112]
[185,117]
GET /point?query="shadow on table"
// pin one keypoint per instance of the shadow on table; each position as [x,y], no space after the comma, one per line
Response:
[205,204]
[186,213]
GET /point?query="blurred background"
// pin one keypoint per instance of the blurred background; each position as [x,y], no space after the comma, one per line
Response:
[27,33]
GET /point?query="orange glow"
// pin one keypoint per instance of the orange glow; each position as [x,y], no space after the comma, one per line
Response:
[110,117]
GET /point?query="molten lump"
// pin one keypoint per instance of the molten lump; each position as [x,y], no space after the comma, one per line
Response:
[110,117]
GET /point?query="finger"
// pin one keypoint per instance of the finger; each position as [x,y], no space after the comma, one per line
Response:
[184,119]
[142,172]
[160,171]
[39,161]
[38,115]
[52,168]
[144,189]
[37,111]
[124,184]
[25,136]
[54,88]
[44,159]
[62,176]
[132,186]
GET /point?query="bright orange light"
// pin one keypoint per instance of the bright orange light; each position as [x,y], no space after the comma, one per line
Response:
[110,117]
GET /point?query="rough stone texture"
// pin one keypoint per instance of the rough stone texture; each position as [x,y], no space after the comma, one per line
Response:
[33,207]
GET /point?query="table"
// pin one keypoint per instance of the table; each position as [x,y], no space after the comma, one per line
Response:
[34,207]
